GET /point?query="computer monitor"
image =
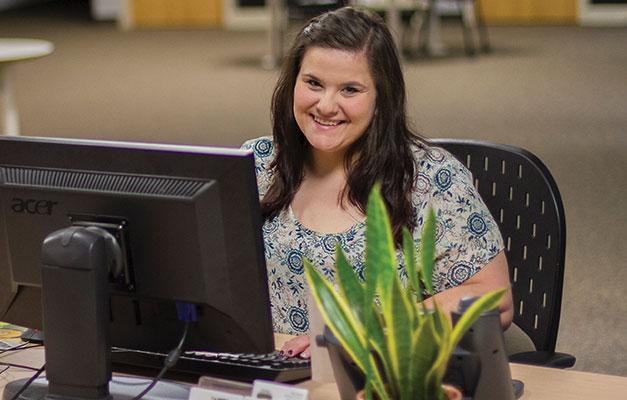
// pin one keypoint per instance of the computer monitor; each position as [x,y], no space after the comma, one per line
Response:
[187,223]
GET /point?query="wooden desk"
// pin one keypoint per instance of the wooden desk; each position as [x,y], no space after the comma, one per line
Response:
[549,383]
[540,383]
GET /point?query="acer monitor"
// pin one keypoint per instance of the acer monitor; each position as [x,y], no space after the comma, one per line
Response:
[186,225]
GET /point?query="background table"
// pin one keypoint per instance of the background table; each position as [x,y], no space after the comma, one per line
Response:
[12,51]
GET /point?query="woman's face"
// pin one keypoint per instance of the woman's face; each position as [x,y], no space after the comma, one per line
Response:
[334,98]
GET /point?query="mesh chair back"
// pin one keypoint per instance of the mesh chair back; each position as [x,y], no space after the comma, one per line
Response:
[522,196]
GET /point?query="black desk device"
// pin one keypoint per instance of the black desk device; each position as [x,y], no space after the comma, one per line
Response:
[480,364]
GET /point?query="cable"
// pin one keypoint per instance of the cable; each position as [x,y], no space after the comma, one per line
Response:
[17,347]
[168,363]
[18,366]
[9,365]
[27,384]
[20,346]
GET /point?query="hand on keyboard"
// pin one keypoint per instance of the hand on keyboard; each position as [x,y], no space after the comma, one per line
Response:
[274,359]
[298,346]
[286,368]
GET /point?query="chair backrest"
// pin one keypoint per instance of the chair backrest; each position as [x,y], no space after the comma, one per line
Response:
[524,199]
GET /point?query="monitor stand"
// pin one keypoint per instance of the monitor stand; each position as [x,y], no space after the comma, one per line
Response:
[75,296]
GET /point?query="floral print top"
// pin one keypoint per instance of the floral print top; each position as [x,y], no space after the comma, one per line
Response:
[467,237]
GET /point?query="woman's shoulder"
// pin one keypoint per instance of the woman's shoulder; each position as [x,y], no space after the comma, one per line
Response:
[441,179]
[262,147]
[264,152]
[433,160]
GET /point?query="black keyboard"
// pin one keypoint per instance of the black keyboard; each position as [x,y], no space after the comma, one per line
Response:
[235,366]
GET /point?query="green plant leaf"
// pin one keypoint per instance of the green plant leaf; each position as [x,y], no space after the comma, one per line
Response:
[338,316]
[425,349]
[349,284]
[374,377]
[376,335]
[380,263]
[380,270]
[427,251]
[411,267]
[380,324]
[398,317]
[355,294]
[433,379]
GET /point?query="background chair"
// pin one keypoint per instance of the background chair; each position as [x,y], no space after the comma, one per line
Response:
[303,10]
[468,12]
[471,19]
[525,202]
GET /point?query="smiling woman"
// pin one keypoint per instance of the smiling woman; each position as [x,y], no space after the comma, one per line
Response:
[334,99]
[339,126]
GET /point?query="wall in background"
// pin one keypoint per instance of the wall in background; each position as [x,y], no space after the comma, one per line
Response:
[173,13]
[529,11]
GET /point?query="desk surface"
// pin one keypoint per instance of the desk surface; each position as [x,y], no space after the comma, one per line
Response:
[540,383]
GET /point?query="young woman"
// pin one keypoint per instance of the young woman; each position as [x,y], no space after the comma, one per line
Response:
[339,126]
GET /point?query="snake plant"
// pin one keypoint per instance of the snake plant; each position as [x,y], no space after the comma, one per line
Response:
[402,347]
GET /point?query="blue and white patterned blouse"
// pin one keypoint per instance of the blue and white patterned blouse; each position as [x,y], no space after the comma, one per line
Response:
[467,236]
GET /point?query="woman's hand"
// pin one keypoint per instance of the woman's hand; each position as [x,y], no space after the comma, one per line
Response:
[298,346]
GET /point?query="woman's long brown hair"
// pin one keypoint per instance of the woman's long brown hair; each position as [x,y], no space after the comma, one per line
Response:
[383,153]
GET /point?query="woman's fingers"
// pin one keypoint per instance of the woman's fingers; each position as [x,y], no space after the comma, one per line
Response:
[298,346]
[305,354]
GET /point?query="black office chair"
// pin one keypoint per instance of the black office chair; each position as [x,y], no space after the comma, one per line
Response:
[522,196]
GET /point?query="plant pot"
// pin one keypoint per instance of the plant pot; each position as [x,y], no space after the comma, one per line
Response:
[349,378]
[450,393]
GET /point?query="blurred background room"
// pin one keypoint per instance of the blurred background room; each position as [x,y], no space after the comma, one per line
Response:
[554,82]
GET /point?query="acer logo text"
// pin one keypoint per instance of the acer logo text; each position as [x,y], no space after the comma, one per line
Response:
[33,206]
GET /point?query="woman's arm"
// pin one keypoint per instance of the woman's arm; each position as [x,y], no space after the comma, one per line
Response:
[494,275]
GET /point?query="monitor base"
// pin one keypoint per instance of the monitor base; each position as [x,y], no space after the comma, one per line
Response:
[120,387]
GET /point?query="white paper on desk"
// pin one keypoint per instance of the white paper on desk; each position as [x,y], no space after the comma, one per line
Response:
[210,388]
[219,389]
[278,391]
[199,393]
